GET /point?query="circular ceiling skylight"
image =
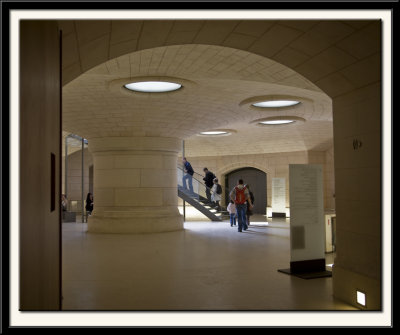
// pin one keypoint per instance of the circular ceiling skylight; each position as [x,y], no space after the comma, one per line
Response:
[215,132]
[153,86]
[276,103]
[277,122]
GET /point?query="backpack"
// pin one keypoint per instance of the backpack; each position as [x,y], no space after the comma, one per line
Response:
[240,196]
[219,189]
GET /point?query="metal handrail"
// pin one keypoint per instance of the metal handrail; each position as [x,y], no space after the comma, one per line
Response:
[201,182]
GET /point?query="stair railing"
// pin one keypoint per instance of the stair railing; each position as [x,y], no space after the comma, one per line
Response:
[199,188]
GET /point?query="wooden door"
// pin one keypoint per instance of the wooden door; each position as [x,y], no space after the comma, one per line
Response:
[40,149]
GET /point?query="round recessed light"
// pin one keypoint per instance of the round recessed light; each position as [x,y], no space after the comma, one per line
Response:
[277,122]
[276,103]
[214,133]
[217,132]
[153,86]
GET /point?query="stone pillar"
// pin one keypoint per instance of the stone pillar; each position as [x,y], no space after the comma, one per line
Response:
[135,185]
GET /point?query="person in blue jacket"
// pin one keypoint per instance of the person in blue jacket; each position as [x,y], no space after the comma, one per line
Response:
[188,175]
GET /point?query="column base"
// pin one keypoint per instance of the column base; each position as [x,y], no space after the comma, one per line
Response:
[121,222]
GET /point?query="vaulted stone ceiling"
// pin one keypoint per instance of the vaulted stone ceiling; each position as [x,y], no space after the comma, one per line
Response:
[222,65]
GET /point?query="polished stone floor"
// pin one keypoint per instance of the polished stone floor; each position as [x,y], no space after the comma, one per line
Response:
[209,266]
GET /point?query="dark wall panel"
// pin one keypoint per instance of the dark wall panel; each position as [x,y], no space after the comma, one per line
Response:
[40,251]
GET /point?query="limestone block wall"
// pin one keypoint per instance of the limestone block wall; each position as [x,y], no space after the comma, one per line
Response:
[358,195]
[329,180]
[74,178]
[326,159]
[274,165]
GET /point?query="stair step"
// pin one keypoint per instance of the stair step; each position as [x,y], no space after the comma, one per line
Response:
[199,203]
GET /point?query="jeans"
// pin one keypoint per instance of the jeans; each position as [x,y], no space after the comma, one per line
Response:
[188,177]
[233,219]
[208,194]
[241,214]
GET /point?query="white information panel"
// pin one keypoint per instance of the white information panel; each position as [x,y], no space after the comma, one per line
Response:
[307,229]
[278,195]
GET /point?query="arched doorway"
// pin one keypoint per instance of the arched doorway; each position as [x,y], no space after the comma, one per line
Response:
[256,179]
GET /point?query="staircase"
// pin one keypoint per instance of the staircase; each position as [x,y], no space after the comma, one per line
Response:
[198,199]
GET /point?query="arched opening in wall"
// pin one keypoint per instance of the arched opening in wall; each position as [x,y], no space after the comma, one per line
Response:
[257,181]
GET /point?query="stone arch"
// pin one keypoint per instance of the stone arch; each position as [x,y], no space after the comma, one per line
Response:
[88,43]
[224,170]
[202,82]
[256,180]
[341,57]
[228,168]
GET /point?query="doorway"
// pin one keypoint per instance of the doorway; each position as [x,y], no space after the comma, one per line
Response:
[257,181]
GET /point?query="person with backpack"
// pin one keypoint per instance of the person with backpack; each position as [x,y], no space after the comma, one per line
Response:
[209,182]
[216,192]
[241,197]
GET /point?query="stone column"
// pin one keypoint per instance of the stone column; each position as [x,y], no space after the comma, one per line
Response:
[135,185]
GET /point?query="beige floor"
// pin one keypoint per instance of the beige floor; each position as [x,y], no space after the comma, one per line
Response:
[208,266]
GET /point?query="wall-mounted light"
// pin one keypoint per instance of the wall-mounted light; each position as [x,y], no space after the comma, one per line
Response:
[361,298]
[357,144]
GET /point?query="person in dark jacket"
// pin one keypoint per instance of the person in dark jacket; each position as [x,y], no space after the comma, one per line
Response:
[208,181]
[89,203]
[64,202]
[249,211]
[188,175]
